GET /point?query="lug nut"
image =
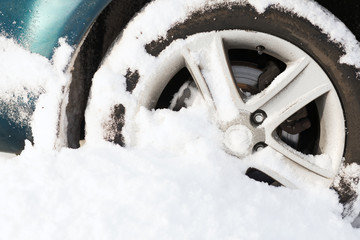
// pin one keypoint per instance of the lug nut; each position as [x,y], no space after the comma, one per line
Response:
[260,49]
[259,146]
[258,117]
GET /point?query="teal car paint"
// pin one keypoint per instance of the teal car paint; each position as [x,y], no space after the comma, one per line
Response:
[72,19]
[37,25]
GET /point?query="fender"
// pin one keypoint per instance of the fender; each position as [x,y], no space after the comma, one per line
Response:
[38,24]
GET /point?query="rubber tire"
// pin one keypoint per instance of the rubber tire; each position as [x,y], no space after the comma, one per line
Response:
[288,26]
[301,33]
[99,39]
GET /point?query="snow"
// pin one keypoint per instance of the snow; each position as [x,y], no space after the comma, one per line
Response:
[108,192]
[175,181]
[46,116]
[149,27]
[12,70]
[238,139]
[185,187]
[221,93]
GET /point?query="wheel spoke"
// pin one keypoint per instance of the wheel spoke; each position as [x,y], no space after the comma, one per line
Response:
[283,80]
[198,77]
[321,164]
[301,83]
[208,64]
[306,84]
[287,173]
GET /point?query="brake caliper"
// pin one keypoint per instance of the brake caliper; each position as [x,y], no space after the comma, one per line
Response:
[297,123]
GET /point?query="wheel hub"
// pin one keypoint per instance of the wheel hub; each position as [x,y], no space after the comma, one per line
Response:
[238,139]
[242,136]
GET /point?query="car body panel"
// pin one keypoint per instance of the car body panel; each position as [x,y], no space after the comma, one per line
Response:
[38,24]
[13,17]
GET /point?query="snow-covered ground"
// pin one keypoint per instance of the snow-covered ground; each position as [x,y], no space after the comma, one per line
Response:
[178,186]
[181,185]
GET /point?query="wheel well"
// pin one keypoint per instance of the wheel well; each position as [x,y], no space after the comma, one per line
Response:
[100,37]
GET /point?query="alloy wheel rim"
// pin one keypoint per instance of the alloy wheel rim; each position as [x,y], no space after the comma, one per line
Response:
[302,82]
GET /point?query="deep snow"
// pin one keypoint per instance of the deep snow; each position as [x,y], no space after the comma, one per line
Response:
[178,186]
[167,186]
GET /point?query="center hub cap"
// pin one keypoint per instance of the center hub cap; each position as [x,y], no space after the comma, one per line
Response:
[238,139]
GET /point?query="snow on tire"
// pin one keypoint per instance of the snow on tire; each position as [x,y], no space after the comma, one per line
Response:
[271,79]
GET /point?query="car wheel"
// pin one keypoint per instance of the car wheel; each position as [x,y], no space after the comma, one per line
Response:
[272,79]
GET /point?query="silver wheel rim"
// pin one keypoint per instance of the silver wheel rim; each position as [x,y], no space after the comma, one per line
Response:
[303,81]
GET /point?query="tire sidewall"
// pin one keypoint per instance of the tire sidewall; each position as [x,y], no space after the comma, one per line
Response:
[303,34]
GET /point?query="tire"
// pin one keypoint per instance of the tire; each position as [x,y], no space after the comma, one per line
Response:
[92,50]
[309,94]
